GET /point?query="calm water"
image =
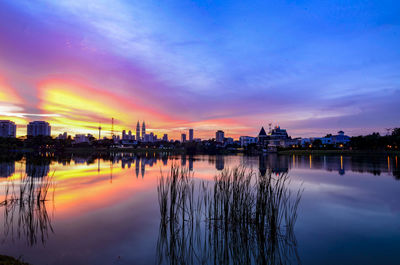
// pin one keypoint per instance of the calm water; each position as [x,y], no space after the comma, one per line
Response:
[105,210]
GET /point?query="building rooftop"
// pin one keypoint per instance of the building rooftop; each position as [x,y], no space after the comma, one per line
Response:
[262,132]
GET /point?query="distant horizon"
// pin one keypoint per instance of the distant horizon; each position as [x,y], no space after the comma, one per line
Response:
[21,132]
[313,68]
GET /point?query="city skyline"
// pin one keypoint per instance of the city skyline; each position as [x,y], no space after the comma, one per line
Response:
[214,66]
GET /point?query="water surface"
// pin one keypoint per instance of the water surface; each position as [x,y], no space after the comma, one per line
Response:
[104,210]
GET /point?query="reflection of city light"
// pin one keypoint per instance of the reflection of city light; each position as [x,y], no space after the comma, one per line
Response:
[388,163]
[341,162]
[294,161]
[396,162]
[310,162]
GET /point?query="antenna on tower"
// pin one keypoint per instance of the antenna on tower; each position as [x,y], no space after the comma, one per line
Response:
[99,131]
[112,127]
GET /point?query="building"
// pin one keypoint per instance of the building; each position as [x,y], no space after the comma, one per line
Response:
[183,137]
[276,136]
[246,140]
[190,135]
[228,141]
[262,138]
[81,138]
[7,128]
[143,129]
[138,131]
[219,136]
[38,128]
[340,138]
[165,137]
[62,136]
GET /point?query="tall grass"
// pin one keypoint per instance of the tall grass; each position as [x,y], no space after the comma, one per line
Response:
[241,218]
[25,212]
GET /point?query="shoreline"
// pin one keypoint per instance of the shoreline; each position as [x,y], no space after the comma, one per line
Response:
[337,152]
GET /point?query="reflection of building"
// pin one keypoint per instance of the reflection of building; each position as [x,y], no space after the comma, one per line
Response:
[191,159]
[7,169]
[220,162]
[137,166]
[37,169]
[278,164]
[262,164]
[183,160]
[38,128]
[143,166]
[219,136]
[7,128]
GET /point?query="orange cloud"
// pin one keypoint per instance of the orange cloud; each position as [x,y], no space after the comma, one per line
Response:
[81,108]
[8,94]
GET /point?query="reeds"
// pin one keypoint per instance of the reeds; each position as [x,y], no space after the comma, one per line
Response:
[241,219]
[25,211]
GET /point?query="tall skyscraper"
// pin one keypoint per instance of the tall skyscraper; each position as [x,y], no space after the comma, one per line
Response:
[165,137]
[36,128]
[143,129]
[138,131]
[190,135]
[7,129]
[183,137]
[219,136]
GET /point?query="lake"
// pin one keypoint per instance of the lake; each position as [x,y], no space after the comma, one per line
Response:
[105,210]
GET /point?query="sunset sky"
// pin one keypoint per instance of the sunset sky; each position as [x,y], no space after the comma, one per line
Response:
[313,67]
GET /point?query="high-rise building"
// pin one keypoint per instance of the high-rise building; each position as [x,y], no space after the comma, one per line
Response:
[7,128]
[165,137]
[190,135]
[130,135]
[36,128]
[138,131]
[183,137]
[123,135]
[62,136]
[219,136]
[143,129]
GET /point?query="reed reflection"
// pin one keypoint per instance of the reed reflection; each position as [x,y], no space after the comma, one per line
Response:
[25,211]
[40,164]
[242,218]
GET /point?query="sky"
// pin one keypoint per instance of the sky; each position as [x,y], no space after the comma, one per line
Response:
[312,67]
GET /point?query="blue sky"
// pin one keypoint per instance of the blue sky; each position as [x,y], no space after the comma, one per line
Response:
[312,67]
